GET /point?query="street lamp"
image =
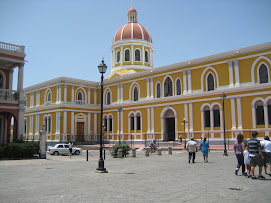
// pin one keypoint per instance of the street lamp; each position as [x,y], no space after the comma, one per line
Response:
[223,97]
[119,110]
[60,118]
[102,69]
[184,122]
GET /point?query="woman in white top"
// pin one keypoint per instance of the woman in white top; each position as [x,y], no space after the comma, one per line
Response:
[266,144]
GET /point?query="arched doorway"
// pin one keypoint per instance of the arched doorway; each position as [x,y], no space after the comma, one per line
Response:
[169,118]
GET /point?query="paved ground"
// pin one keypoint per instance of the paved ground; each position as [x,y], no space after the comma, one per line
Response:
[166,178]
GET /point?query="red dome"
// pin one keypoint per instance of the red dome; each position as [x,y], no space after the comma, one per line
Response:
[132,10]
[132,31]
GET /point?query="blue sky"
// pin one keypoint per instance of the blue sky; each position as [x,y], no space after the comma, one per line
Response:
[69,37]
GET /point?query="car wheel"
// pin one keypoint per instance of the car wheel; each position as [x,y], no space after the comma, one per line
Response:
[56,153]
[76,152]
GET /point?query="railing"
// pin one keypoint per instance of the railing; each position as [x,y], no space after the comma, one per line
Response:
[12,47]
[10,95]
[80,102]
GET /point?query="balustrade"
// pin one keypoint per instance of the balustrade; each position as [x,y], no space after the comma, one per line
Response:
[11,47]
[10,95]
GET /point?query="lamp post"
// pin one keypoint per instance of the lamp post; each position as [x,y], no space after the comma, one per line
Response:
[60,118]
[184,122]
[102,69]
[223,97]
[119,110]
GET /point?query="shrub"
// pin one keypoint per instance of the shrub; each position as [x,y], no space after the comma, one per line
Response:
[125,149]
[19,149]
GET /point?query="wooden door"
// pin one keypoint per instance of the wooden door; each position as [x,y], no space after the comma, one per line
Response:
[80,132]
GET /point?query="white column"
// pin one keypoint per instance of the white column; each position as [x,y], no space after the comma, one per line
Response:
[65,93]
[143,55]
[59,97]
[65,123]
[239,113]
[31,99]
[212,118]
[57,122]
[231,73]
[89,119]
[37,97]
[236,69]
[37,124]
[148,118]
[151,80]
[95,123]
[95,96]
[72,93]
[186,115]
[151,58]
[89,95]
[233,115]
[148,87]
[152,119]
[191,116]
[265,115]
[202,121]
[121,55]
[118,92]
[121,121]
[20,90]
[121,92]
[72,123]
[119,117]
[132,54]
[184,82]
[10,79]
[253,116]
[57,93]
[189,82]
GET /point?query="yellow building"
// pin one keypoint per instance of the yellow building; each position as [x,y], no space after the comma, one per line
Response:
[142,102]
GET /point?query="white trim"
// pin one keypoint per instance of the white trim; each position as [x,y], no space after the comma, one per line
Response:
[216,79]
[131,91]
[230,73]
[156,89]
[176,86]
[258,72]
[148,87]
[233,115]
[254,64]
[148,119]
[239,113]
[163,86]
[189,81]
[151,78]
[139,55]
[129,55]
[184,82]
[105,96]
[236,69]
[191,116]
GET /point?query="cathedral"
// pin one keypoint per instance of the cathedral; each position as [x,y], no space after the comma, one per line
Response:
[227,92]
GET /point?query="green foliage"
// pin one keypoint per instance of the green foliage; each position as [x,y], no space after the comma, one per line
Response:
[125,150]
[19,149]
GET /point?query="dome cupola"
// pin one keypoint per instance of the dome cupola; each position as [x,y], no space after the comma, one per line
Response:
[132,48]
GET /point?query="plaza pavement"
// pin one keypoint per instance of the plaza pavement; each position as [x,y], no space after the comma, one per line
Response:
[166,178]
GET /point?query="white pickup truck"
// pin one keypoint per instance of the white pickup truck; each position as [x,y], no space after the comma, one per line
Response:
[63,149]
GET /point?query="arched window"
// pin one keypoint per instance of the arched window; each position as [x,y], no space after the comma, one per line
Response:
[178,87]
[80,98]
[168,87]
[108,98]
[207,122]
[158,90]
[49,124]
[127,55]
[118,56]
[132,122]
[1,81]
[210,82]
[110,123]
[105,123]
[259,113]
[216,112]
[45,122]
[135,93]
[137,55]
[146,56]
[49,99]
[263,74]
[138,121]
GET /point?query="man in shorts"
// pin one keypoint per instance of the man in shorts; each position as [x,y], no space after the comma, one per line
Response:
[256,155]
[70,149]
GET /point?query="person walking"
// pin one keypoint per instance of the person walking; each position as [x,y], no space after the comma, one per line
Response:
[266,144]
[204,147]
[239,147]
[70,149]
[256,156]
[192,149]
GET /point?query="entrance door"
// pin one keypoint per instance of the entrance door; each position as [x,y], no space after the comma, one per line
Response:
[170,129]
[80,132]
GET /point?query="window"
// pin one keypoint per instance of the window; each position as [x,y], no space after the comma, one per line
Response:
[118,56]
[110,123]
[216,112]
[269,111]
[132,122]
[135,94]
[45,122]
[178,87]
[263,74]
[259,113]
[138,121]
[25,126]
[146,56]
[168,87]
[127,55]
[49,124]
[108,98]
[158,90]
[79,96]
[210,82]
[207,122]
[137,55]
[60,146]
[1,81]
[49,99]
[105,123]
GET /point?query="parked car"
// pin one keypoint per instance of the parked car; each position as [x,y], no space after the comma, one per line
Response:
[63,149]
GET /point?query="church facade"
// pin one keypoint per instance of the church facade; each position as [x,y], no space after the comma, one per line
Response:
[142,102]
